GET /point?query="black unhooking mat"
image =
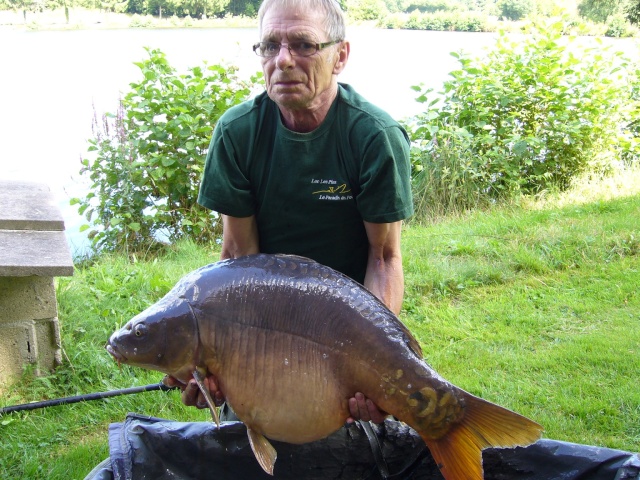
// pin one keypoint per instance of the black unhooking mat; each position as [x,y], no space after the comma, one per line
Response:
[156,449]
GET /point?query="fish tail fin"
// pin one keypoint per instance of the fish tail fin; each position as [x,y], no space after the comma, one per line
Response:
[458,454]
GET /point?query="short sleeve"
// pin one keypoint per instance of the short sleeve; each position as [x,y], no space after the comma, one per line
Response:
[385,178]
[225,186]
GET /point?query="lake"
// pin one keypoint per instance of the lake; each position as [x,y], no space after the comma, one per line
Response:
[51,81]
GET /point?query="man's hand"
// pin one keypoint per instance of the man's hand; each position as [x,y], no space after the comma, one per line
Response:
[362,408]
[191,394]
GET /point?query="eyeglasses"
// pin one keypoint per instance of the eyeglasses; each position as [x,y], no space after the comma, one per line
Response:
[296,49]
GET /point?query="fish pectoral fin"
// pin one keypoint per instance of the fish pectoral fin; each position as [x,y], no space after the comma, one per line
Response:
[263,450]
[197,376]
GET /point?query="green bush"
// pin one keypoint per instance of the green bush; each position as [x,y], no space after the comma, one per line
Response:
[630,137]
[445,177]
[432,6]
[138,21]
[395,20]
[618,26]
[534,114]
[439,21]
[149,157]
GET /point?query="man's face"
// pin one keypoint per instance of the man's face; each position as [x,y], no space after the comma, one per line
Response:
[294,82]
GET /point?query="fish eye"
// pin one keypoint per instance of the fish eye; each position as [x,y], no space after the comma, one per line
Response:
[140,330]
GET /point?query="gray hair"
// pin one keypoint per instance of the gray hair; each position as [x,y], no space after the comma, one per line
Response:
[334,23]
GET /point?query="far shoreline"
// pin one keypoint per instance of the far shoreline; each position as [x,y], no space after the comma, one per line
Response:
[84,19]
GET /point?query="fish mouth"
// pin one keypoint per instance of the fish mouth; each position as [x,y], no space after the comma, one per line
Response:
[117,356]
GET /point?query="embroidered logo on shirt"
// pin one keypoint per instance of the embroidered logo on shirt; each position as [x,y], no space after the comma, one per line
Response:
[332,191]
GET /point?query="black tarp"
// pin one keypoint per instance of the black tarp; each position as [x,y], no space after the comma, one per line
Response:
[151,448]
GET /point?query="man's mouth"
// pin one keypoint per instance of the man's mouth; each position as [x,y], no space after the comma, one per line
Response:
[285,82]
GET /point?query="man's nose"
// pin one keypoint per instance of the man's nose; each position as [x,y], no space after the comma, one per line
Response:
[284,58]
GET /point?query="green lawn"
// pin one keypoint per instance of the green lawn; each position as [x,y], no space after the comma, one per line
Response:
[534,307]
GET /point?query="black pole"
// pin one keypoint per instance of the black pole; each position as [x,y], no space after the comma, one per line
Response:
[85,398]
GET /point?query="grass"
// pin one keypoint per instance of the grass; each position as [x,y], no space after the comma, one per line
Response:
[535,307]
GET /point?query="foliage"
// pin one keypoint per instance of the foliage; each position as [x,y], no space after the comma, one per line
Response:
[633,12]
[515,9]
[149,156]
[531,116]
[366,9]
[630,136]
[180,8]
[445,178]
[600,10]
[432,6]
[439,21]
[619,26]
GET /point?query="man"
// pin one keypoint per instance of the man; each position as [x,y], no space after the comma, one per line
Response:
[309,167]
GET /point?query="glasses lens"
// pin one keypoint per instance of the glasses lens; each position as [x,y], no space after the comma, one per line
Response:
[271,49]
[302,49]
[266,49]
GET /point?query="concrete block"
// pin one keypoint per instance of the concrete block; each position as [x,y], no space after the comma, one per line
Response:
[29,343]
[33,250]
[17,344]
[28,206]
[27,298]
[26,252]
[29,330]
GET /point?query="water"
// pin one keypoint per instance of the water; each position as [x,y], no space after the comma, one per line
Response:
[50,83]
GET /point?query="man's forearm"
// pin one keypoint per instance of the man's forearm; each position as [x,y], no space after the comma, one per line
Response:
[385,279]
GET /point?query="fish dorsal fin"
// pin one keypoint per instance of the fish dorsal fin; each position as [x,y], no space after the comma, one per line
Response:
[197,376]
[263,450]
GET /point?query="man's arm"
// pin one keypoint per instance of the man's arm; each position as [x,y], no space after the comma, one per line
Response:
[384,276]
[239,236]
[385,279]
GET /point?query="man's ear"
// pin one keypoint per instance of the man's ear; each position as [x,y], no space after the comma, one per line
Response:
[343,56]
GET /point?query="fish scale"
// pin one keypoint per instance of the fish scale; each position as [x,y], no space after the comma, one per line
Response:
[290,341]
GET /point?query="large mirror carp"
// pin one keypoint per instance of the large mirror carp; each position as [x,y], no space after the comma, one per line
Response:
[290,341]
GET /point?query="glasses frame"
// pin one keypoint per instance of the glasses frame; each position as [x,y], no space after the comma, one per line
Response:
[319,46]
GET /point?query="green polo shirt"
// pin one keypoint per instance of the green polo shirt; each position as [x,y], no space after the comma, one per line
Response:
[310,192]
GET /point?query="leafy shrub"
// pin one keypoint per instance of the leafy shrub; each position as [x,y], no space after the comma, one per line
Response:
[395,20]
[618,26]
[149,156]
[630,137]
[439,21]
[534,114]
[432,6]
[445,176]
[138,21]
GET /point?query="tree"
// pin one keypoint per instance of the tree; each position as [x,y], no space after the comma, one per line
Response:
[515,9]
[136,7]
[244,7]
[633,12]
[600,10]
[366,9]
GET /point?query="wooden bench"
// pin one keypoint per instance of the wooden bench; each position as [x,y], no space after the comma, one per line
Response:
[33,250]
